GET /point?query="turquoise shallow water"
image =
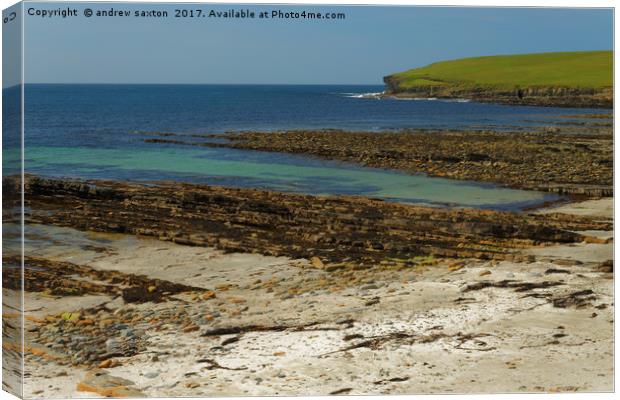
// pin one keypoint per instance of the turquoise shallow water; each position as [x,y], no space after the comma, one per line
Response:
[89,131]
[272,171]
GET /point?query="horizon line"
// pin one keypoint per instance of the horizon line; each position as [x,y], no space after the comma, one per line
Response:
[199,83]
[189,84]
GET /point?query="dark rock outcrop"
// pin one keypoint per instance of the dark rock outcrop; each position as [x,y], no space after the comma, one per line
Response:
[565,163]
[353,230]
[551,96]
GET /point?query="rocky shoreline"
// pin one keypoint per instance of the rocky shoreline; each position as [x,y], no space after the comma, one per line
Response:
[573,160]
[343,231]
[247,324]
[175,289]
[549,96]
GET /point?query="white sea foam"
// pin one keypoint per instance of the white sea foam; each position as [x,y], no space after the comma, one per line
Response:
[381,95]
[457,100]
[415,98]
[430,99]
[371,95]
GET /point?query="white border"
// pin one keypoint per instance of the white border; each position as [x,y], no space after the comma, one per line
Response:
[476,3]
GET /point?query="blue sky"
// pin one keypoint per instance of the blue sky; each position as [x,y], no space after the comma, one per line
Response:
[370,43]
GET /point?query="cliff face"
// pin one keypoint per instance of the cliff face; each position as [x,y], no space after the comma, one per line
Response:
[557,96]
[567,79]
[391,84]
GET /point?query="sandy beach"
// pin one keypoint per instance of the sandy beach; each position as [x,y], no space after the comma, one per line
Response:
[170,288]
[264,325]
[209,204]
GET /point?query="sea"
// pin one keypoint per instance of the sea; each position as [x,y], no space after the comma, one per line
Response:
[99,132]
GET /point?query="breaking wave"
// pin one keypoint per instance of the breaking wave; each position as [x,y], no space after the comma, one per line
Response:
[381,96]
[371,95]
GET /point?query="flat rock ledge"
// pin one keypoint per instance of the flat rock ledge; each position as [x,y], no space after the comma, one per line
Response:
[342,231]
[572,160]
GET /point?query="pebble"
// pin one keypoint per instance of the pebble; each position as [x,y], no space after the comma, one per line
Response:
[112,345]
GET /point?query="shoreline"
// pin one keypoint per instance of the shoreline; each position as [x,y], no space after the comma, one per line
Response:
[257,292]
[589,83]
[571,160]
[336,229]
[602,102]
[280,325]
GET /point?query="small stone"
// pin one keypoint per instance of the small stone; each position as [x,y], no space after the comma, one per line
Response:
[109,363]
[100,382]
[191,328]
[210,294]
[128,333]
[112,346]
[372,286]
[317,263]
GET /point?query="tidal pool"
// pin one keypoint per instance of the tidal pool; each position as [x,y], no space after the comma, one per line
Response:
[273,171]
